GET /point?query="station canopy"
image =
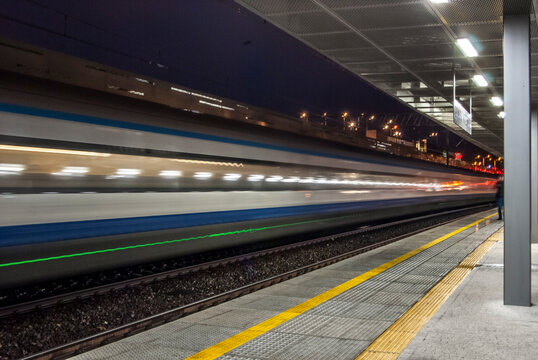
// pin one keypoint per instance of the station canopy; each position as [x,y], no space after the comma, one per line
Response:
[412,50]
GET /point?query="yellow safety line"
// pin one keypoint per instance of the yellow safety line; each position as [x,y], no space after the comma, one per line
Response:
[231,343]
[395,339]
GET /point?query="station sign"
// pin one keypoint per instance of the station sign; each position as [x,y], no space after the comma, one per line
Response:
[462,117]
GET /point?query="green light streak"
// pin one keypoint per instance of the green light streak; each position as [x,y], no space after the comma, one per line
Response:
[163,242]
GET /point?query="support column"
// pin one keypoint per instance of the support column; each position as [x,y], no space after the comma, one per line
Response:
[517,165]
[534,175]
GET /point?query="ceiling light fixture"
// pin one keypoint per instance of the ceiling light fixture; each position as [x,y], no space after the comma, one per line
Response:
[480,80]
[496,101]
[467,47]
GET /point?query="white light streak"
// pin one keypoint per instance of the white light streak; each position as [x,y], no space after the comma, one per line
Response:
[274,178]
[202,175]
[170,173]
[231,177]
[255,177]
[195,94]
[291,179]
[142,80]
[11,168]
[216,105]
[206,97]
[72,171]
[134,92]
[128,172]
[52,151]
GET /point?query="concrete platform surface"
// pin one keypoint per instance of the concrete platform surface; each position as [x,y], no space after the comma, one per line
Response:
[340,326]
[474,323]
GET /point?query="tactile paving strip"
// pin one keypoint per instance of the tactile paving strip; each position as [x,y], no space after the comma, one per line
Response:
[363,312]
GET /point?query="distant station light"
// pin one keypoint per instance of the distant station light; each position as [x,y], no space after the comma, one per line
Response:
[501,115]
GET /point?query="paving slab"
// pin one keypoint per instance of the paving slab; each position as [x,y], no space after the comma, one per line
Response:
[474,323]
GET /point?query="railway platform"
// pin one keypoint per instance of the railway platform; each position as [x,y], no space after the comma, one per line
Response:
[434,295]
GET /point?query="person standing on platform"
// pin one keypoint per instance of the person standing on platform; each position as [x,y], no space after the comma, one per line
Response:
[499,197]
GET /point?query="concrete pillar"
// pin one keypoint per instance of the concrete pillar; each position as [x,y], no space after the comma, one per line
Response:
[517,165]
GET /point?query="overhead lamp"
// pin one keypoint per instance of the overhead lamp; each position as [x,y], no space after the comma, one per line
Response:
[466,47]
[480,80]
[496,101]
[501,115]
[440,1]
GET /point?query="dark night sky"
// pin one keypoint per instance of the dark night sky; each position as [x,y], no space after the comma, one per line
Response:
[209,45]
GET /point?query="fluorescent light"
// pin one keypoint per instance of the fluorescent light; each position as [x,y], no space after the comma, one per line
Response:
[127,172]
[496,101]
[439,1]
[501,115]
[231,177]
[255,178]
[170,173]
[480,81]
[134,92]
[12,167]
[52,151]
[466,47]
[202,175]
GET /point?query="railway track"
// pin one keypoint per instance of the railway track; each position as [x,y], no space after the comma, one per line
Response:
[102,338]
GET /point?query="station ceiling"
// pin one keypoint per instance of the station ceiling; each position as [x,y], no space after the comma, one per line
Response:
[408,49]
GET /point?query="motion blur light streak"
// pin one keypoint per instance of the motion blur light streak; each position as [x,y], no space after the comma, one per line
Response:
[128,172]
[232,177]
[255,178]
[170,173]
[52,151]
[72,170]
[205,162]
[202,175]
[274,178]
[12,167]
[216,105]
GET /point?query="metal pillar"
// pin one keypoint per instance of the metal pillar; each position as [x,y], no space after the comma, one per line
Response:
[517,151]
[534,175]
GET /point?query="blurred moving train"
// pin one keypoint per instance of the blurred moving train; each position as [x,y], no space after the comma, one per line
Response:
[81,193]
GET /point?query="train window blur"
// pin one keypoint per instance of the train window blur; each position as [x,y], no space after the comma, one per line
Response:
[43,170]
